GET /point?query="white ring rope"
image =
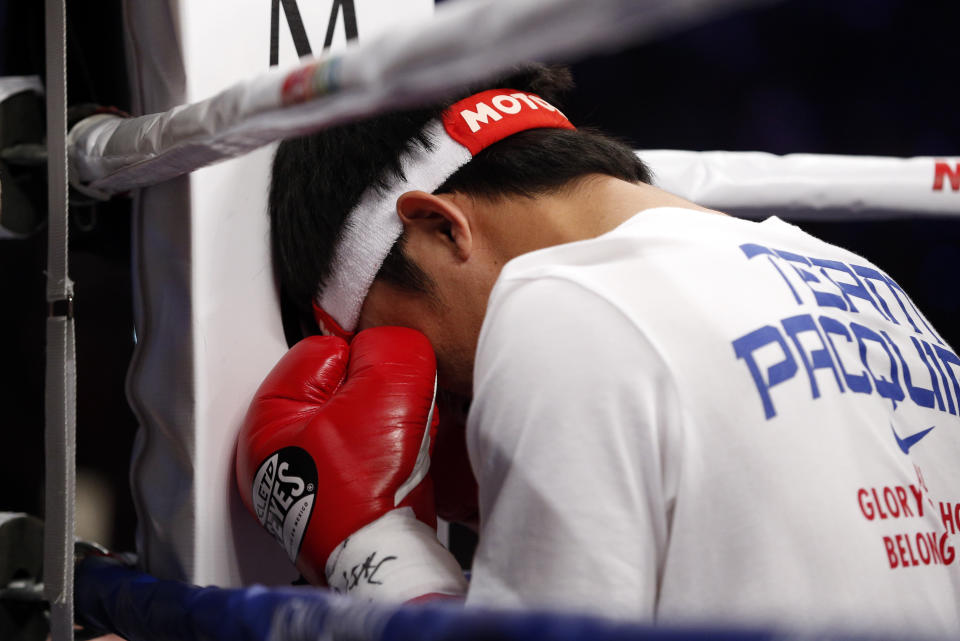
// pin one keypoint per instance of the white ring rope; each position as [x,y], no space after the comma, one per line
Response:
[467,41]
[810,186]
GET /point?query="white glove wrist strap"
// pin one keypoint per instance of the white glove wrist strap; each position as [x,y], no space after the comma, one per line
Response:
[395,558]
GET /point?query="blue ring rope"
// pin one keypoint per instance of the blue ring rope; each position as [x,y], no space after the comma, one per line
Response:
[110,597]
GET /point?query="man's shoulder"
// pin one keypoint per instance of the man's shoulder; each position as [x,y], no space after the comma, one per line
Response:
[534,325]
[567,258]
[594,273]
[559,339]
[580,287]
[556,296]
[643,238]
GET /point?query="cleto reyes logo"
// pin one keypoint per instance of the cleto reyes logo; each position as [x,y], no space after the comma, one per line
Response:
[283,493]
[490,116]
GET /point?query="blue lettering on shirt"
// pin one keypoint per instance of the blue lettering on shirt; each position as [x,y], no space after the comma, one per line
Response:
[745,346]
[855,382]
[872,286]
[885,387]
[859,357]
[815,359]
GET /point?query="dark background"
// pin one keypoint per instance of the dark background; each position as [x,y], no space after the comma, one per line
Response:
[846,77]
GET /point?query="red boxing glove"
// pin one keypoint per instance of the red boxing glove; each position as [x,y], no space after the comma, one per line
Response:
[337,436]
[455,488]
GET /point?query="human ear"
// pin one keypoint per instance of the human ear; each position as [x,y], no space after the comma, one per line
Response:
[438,215]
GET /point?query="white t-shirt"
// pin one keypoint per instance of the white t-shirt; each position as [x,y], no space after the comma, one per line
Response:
[695,418]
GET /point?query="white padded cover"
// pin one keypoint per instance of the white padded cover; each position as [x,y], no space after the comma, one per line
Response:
[206,312]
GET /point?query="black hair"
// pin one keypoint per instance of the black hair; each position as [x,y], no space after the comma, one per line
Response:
[318,179]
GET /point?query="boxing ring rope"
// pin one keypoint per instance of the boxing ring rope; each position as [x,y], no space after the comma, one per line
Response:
[139,607]
[753,184]
[466,41]
[109,154]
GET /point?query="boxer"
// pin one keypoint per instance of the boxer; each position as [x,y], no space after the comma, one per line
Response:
[675,414]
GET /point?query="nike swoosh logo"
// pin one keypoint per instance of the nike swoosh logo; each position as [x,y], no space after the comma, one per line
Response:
[906,443]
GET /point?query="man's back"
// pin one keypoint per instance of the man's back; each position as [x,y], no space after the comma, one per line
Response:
[702,418]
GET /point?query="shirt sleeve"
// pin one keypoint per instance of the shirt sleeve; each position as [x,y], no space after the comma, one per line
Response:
[572,417]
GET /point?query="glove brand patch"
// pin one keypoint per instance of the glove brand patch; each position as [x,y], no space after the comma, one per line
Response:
[283,494]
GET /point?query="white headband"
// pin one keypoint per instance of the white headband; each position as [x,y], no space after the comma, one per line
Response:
[372,227]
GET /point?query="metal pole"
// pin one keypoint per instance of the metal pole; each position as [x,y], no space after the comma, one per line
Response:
[60,445]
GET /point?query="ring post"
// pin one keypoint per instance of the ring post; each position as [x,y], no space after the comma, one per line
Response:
[60,410]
